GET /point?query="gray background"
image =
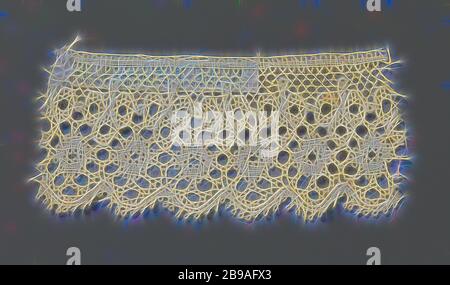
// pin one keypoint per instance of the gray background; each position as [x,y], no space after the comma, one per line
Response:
[416,31]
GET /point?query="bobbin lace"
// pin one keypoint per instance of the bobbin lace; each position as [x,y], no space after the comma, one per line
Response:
[111,134]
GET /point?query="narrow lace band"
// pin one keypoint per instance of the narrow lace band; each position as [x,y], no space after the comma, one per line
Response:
[195,133]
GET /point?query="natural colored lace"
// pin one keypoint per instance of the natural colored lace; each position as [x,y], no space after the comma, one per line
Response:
[109,134]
